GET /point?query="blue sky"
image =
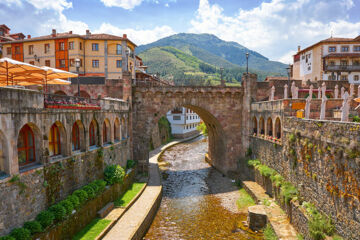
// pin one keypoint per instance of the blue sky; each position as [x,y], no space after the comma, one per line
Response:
[274,28]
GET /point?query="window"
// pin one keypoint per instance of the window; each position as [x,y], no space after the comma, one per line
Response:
[344,48]
[176,118]
[72,62]
[75,137]
[106,132]
[62,63]
[118,49]
[356,78]
[54,140]
[31,49]
[26,146]
[344,77]
[61,46]
[118,63]
[1,33]
[8,50]
[80,46]
[92,132]
[343,62]
[47,47]
[95,63]
[47,63]
[332,49]
[356,48]
[95,47]
[356,63]
[17,50]
[71,45]
[32,62]
[332,63]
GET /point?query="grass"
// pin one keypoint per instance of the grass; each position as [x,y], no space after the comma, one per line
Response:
[125,199]
[92,230]
[269,233]
[244,200]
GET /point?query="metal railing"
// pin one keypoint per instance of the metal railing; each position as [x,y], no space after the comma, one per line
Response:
[341,67]
[70,102]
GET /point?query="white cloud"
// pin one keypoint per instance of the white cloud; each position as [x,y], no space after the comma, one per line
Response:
[273,28]
[167,5]
[58,5]
[138,36]
[126,4]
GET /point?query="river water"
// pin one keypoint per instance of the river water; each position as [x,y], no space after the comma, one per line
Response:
[198,202]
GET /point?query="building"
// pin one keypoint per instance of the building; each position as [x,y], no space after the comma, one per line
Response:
[101,55]
[6,36]
[183,122]
[329,59]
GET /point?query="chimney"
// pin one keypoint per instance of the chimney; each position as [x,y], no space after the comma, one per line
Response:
[70,32]
[53,33]
[124,36]
[299,48]
[88,32]
[29,36]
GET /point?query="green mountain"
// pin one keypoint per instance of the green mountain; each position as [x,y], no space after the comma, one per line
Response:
[217,52]
[186,69]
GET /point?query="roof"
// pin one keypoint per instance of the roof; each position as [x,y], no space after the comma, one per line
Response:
[342,55]
[92,36]
[332,40]
[4,26]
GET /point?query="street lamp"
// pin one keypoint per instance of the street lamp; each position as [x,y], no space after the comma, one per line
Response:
[221,77]
[247,63]
[288,73]
[77,65]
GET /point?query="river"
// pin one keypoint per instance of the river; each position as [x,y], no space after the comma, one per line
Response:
[198,202]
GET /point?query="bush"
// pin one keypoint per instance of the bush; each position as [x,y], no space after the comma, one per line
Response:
[277,179]
[253,163]
[101,184]
[288,191]
[7,238]
[68,205]
[59,212]
[45,218]
[114,174]
[94,187]
[33,227]
[90,191]
[130,164]
[82,195]
[21,234]
[74,200]
[266,171]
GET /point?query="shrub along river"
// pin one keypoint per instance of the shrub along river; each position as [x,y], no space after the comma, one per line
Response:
[198,202]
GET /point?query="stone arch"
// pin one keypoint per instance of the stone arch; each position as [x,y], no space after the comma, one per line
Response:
[83,94]
[57,139]
[94,133]
[60,92]
[269,127]
[278,134]
[29,151]
[262,125]
[106,131]
[4,156]
[123,128]
[255,125]
[117,134]
[78,126]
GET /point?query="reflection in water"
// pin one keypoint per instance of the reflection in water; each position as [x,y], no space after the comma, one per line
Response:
[190,209]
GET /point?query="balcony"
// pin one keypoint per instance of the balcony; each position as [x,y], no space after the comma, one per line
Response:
[342,68]
[70,102]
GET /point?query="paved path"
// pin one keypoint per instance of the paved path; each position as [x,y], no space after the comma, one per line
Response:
[128,225]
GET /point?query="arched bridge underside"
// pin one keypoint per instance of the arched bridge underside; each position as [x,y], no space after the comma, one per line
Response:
[221,108]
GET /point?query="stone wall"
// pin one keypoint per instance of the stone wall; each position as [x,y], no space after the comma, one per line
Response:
[322,159]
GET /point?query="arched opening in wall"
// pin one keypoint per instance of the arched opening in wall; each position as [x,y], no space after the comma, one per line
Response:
[57,140]
[78,136]
[269,127]
[278,128]
[116,130]
[59,92]
[255,126]
[4,159]
[93,134]
[106,131]
[262,125]
[123,128]
[28,143]
[83,94]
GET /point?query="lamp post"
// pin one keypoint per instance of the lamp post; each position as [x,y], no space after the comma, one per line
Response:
[288,69]
[247,63]
[77,65]
[221,77]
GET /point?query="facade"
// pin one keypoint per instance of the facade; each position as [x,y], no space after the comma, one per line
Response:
[6,36]
[101,55]
[183,122]
[329,59]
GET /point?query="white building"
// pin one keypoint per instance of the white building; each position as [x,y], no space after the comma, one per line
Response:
[183,122]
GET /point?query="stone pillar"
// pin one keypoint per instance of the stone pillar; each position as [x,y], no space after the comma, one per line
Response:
[345,107]
[336,92]
[296,93]
[323,107]
[311,91]
[127,86]
[323,89]
[319,93]
[292,89]
[286,96]
[307,107]
[272,93]
[351,90]
[358,94]
[342,92]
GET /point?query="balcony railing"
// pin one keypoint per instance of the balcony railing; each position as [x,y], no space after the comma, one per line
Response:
[350,68]
[70,102]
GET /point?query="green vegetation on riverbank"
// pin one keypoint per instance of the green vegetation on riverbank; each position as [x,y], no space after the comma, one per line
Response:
[92,230]
[202,128]
[245,200]
[125,199]
[269,233]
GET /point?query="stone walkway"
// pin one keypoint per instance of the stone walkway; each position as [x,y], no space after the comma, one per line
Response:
[135,221]
[276,216]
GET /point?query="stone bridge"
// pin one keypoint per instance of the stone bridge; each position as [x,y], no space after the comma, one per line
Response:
[225,111]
